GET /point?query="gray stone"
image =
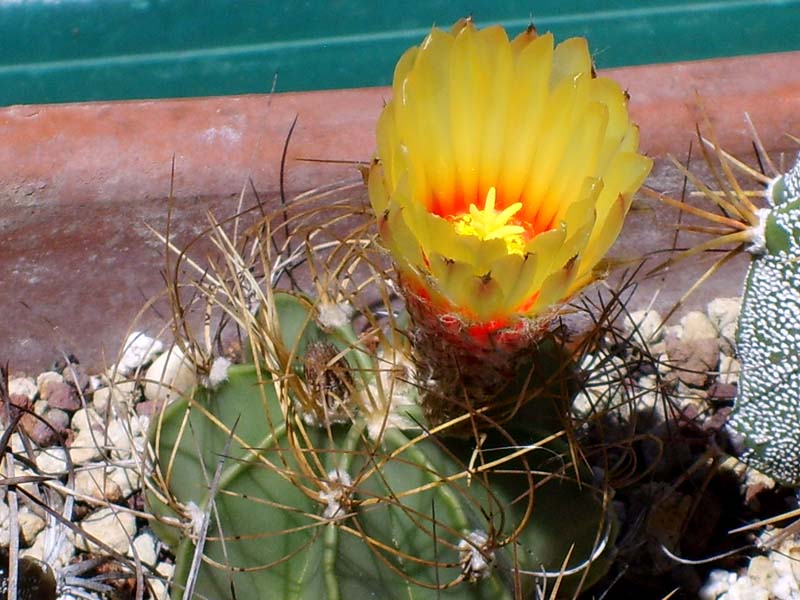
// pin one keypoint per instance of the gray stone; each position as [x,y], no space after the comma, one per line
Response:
[113,526]
[692,359]
[646,323]
[76,376]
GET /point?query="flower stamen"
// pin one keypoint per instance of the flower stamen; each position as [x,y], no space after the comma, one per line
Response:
[491,224]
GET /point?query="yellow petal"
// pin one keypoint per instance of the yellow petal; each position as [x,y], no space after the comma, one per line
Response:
[452,279]
[500,85]
[571,59]
[608,93]
[556,287]
[628,171]
[522,293]
[469,95]
[485,297]
[519,43]
[525,114]
[402,69]
[423,119]
[551,142]
[376,187]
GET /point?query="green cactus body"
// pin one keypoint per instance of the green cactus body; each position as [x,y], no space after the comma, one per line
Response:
[767,410]
[268,522]
[326,513]
[389,534]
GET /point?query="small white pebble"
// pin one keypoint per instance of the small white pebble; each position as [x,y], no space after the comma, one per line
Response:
[4,522]
[122,393]
[697,326]
[22,386]
[717,585]
[160,589]
[30,524]
[52,547]
[724,314]
[138,350]
[165,569]
[47,378]
[334,314]
[784,588]
[91,481]
[85,418]
[146,547]
[647,324]
[729,369]
[50,461]
[170,376]
[86,447]
[746,589]
[762,572]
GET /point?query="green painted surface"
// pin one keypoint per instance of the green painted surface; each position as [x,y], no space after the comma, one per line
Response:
[68,50]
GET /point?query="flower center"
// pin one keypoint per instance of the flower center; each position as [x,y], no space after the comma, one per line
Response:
[491,224]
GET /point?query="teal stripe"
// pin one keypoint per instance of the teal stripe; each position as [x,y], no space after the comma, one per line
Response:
[115,49]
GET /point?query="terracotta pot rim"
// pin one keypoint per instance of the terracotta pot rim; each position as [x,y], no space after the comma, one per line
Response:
[78,180]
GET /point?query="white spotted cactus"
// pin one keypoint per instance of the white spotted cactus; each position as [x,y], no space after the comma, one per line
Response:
[767,411]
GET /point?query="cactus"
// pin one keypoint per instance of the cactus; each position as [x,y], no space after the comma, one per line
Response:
[767,411]
[429,456]
[323,511]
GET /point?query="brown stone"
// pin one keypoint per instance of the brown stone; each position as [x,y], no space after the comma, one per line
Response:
[692,360]
[62,395]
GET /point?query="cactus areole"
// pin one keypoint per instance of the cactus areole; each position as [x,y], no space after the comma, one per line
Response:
[767,411]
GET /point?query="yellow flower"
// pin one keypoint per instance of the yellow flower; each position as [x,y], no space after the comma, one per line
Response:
[504,171]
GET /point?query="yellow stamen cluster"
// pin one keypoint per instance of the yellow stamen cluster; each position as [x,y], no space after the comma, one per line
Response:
[491,224]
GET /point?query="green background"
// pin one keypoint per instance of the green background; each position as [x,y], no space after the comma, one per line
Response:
[70,50]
